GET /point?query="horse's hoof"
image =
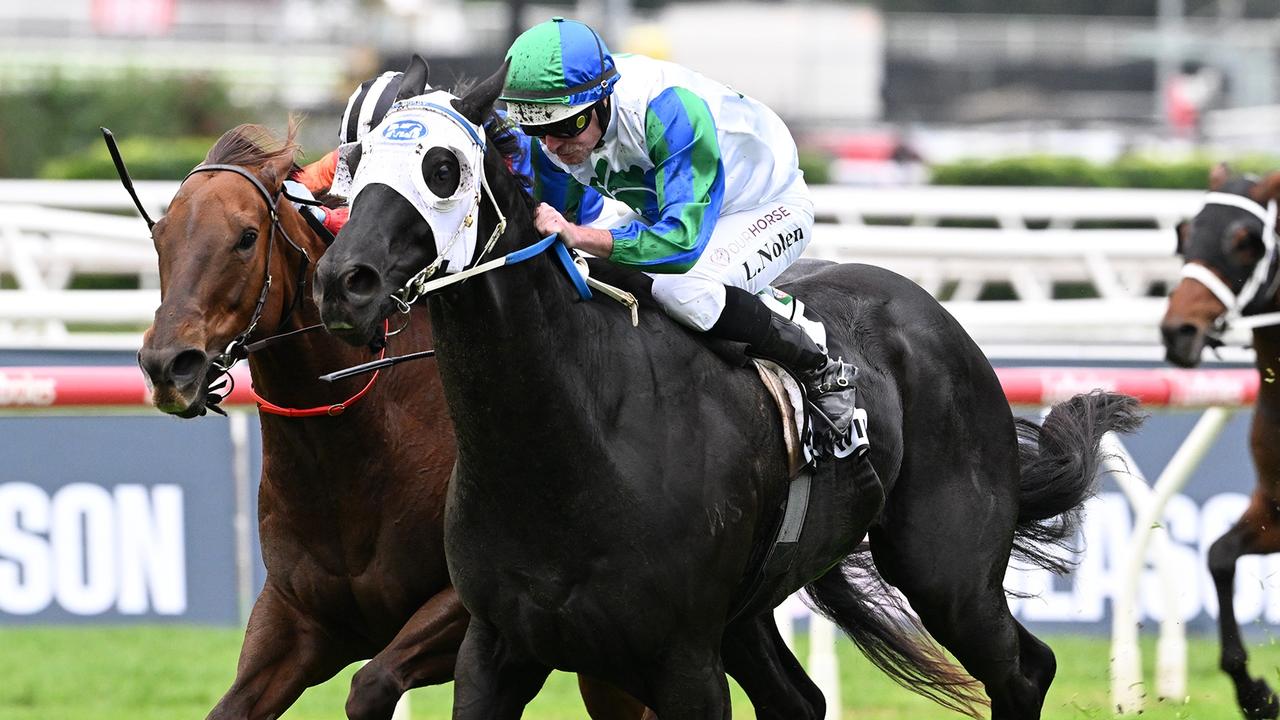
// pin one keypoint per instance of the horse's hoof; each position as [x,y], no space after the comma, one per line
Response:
[1258,702]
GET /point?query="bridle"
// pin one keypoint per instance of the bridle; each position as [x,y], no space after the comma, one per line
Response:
[237,349]
[219,384]
[421,283]
[1259,287]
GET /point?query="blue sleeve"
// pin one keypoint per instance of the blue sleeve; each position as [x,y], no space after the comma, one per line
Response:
[688,178]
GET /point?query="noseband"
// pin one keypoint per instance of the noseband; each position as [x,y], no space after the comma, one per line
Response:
[1256,288]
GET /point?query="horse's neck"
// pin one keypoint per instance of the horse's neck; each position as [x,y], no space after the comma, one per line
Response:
[287,372]
[522,357]
[518,352]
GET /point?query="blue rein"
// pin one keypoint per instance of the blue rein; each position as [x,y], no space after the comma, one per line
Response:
[562,253]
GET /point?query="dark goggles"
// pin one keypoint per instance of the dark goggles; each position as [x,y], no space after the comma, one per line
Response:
[566,129]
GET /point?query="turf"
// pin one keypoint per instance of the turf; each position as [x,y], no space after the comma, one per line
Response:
[150,673]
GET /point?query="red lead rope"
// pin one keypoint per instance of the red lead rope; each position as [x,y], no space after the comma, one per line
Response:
[331,410]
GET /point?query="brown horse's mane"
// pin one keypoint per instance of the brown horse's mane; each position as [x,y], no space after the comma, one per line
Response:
[253,146]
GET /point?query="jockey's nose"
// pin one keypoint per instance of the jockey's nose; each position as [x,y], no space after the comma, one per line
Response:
[553,143]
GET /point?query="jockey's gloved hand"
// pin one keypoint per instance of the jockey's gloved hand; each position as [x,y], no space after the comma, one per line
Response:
[335,218]
[332,218]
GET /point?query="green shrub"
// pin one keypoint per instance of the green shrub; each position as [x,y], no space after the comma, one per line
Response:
[1133,171]
[58,117]
[1036,170]
[148,158]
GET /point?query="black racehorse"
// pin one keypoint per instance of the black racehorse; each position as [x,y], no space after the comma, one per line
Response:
[615,484]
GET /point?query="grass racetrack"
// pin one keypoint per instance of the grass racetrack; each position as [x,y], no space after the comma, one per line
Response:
[155,673]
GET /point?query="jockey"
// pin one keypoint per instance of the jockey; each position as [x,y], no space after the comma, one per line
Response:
[719,205]
[366,107]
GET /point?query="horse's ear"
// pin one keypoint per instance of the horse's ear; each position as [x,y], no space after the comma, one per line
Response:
[414,81]
[1219,176]
[1268,188]
[275,171]
[280,162]
[478,103]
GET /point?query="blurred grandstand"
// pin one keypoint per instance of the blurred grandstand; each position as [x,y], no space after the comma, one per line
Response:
[875,92]
[880,94]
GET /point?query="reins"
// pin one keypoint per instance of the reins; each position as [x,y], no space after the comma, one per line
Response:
[239,347]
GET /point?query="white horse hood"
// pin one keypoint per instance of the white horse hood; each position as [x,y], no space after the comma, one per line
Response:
[392,155]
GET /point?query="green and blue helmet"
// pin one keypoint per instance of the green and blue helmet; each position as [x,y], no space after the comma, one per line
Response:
[557,69]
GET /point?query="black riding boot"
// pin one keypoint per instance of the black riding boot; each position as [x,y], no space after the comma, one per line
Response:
[828,383]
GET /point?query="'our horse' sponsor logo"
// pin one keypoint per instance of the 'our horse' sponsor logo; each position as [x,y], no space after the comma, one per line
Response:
[763,222]
[723,256]
[772,251]
[404,131]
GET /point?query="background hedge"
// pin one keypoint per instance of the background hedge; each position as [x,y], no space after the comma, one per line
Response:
[52,127]
[1129,172]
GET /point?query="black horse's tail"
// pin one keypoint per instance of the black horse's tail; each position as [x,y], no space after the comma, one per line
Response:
[1059,462]
[855,597]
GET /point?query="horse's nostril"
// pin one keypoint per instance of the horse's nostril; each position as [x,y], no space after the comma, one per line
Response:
[362,281]
[1184,331]
[188,365]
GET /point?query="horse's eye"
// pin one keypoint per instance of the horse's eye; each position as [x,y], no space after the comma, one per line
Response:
[441,171]
[247,239]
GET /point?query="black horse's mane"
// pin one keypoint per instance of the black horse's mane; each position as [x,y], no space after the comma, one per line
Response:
[505,138]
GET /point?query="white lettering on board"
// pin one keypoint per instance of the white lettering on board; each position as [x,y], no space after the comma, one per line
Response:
[89,550]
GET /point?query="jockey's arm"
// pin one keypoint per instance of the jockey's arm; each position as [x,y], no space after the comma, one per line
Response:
[592,241]
[688,178]
[318,176]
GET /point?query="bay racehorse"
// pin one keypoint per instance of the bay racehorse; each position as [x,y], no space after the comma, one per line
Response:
[351,500]
[615,484]
[1230,276]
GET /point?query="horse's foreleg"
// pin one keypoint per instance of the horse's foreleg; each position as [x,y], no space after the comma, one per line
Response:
[1255,533]
[422,653]
[283,654]
[755,656]
[492,682]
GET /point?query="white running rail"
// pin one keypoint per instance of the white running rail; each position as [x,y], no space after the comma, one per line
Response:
[53,231]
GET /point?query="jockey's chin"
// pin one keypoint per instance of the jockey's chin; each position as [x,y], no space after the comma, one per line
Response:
[569,152]
[575,156]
